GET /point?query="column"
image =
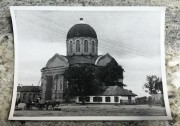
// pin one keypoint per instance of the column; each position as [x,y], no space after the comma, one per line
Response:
[53,88]
[43,83]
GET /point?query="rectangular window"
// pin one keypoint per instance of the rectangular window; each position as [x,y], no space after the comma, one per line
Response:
[107,99]
[97,99]
[94,99]
[87,99]
[116,99]
[80,99]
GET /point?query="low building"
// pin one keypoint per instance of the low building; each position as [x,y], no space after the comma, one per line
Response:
[142,100]
[25,92]
[110,94]
[157,99]
[157,96]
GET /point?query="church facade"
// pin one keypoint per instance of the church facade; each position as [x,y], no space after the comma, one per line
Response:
[82,48]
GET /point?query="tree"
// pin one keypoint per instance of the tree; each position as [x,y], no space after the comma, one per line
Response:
[153,84]
[110,75]
[81,80]
[158,85]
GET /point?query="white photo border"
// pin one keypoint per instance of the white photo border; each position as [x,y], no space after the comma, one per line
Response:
[88,8]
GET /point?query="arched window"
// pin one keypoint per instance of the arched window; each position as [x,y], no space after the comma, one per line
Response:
[93,44]
[85,46]
[77,46]
[71,47]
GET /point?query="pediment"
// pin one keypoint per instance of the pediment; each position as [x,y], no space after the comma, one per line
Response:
[103,60]
[57,61]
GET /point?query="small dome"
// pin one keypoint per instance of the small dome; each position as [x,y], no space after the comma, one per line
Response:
[81,30]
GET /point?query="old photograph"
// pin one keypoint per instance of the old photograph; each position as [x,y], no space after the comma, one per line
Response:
[89,63]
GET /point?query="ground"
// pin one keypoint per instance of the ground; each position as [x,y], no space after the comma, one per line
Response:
[95,110]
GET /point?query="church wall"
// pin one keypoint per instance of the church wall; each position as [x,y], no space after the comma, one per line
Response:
[57,90]
[104,61]
[57,74]
[43,83]
[52,77]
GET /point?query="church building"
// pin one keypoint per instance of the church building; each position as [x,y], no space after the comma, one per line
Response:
[82,48]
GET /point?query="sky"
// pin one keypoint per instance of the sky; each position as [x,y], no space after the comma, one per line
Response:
[132,38]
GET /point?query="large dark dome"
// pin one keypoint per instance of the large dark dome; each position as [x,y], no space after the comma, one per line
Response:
[81,30]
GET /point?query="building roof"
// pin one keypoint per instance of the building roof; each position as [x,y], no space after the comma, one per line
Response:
[64,61]
[81,59]
[81,30]
[57,61]
[29,89]
[115,91]
[104,59]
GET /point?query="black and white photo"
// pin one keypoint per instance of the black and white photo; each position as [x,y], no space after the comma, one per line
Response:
[89,63]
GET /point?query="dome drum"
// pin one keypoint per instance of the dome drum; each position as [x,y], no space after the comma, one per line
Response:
[82,45]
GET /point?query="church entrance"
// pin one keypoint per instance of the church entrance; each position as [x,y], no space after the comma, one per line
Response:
[48,93]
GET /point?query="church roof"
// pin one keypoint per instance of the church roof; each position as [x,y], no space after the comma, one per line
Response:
[81,30]
[57,61]
[104,59]
[60,60]
[64,61]
[115,91]
[81,59]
